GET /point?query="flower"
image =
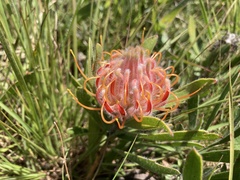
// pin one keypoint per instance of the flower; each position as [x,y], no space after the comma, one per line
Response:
[132,84]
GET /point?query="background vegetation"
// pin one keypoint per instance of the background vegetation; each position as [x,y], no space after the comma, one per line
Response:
[45,134]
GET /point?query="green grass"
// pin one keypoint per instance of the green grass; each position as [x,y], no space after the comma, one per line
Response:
[45,134]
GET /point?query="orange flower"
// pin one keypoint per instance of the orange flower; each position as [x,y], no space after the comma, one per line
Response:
[131,84]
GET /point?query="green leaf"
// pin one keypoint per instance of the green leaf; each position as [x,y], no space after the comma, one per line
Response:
[195,87]
[171,146]
[99,52]
[205,16]
[150,43]
[191,29]
[193,116]
[18,71]
[170,16]
[98,57]
[90,58]
[192,33]
[220,176]
[148,164]
[218,126]
[149,123]
[218,155]
[5,23]
[183,144]
[25,127]
[8,148]
[215,54]
[236,174]
[225,91]
[29,79]
[190,89]
[87,100]
[18,171]
[181,136]
[237,143]
[226,138]
[193,168]
[75,130]
[95,124]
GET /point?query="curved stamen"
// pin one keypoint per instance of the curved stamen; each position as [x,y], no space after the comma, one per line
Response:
[120,126]
[105,79]
[79,69]
[136,118]
[163,109]
[107,92]
[141,112]
[111,55]
[149,104]
[108,53]
[186,96]
[125,93]
[159,54]
[85,85]
[175,80]
[161,74]
[177,101]
[119,52]
[103,118]
[160,94]
[172,69]
[142,91]
[126,86]
[148,52]
[159,57]
[84,106]
[142,38]
[165,115]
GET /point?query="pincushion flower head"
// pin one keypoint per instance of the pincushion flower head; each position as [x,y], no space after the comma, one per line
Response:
[131,84]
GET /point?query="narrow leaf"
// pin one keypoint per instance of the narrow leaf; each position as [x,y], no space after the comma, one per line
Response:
[148,164]
[190,89]
[236,174]
[191,29]
[171,146]
[181,136]
[237,143]
[184,144]
[90,58]
[194,87]
[193,168]
[150,43]
[192,33]
[226,138]
[26,128]
[149,123]
[223,95]
[170,16]
[218,155]
[192,104]
[220,176]
[18,71]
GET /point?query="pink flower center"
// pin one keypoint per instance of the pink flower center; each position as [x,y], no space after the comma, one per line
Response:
[131,84]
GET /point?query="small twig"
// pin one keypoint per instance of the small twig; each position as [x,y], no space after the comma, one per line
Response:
[63,151]
[95,167]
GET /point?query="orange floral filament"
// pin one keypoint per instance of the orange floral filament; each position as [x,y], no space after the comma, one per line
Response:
[131,84]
